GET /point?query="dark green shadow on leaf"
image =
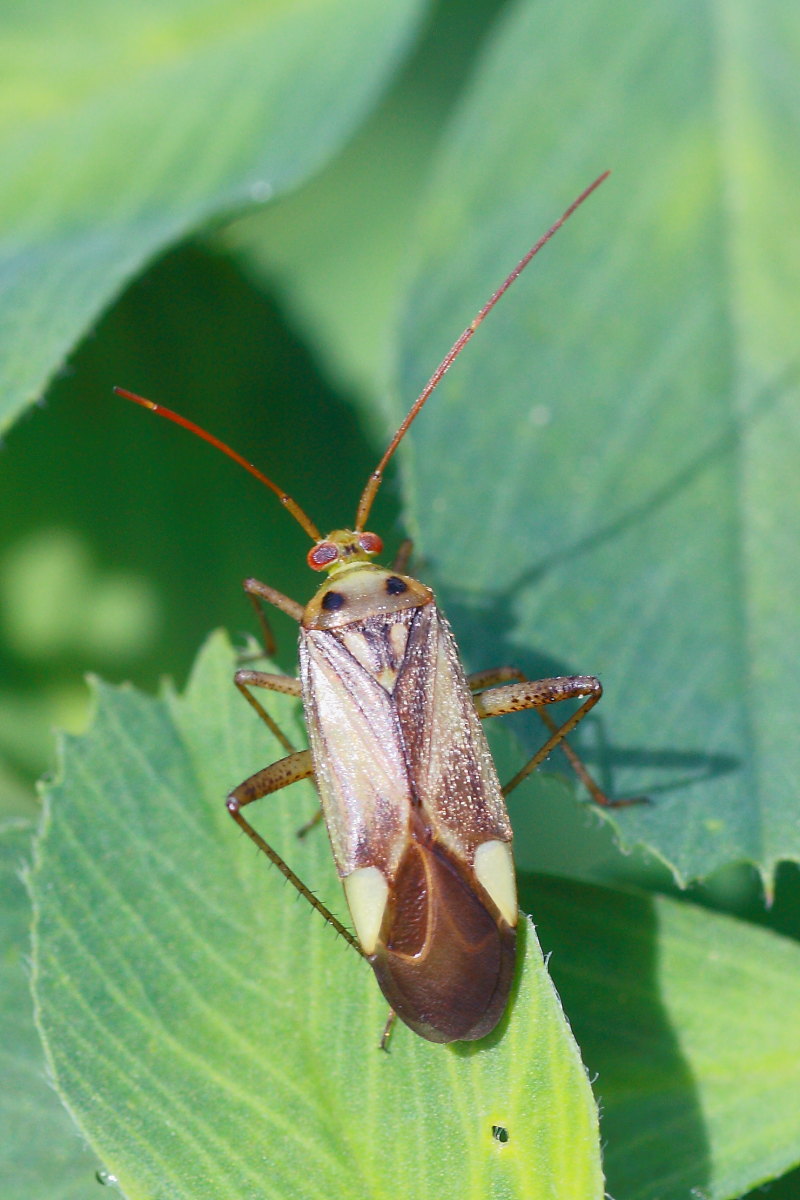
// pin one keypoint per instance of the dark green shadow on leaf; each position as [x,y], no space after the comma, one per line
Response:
[682,1017]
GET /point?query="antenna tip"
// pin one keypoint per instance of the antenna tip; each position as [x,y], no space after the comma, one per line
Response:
[151,404]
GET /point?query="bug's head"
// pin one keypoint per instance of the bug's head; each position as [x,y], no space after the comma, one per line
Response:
[341,548]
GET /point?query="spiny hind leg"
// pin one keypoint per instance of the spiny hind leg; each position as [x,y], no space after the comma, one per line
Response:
[271,779]
[524,694]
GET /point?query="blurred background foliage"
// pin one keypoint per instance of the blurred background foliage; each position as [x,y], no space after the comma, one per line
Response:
[123,545]
[123,541]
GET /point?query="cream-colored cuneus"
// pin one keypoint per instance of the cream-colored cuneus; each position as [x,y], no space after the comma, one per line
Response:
[494,870]
[367,892]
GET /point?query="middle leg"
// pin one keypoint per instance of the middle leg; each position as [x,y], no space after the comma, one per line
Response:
[289,686]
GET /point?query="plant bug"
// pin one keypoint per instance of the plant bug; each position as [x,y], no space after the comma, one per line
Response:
[415,812]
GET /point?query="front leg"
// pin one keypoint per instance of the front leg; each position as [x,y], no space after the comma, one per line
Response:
[262,591]
[258,593]
[245,679]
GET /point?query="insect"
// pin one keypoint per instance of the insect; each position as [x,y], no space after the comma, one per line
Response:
[409,792]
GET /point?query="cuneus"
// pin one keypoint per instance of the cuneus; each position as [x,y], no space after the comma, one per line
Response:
[408,789]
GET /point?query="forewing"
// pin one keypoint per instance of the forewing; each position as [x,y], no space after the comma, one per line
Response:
[358,758]
[449,761]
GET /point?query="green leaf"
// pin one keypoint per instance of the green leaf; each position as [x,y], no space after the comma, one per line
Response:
[688,1019]
[40,1152]
[212,1037]
[117,144]
[342,291]
[606,481]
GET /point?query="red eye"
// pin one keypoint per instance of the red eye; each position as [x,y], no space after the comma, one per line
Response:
[322,555]
[370,543]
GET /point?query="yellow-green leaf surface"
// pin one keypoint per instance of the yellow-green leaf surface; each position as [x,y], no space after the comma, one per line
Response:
[124,127]
[41,1152]
[688,1023]
[607,480]
[211,1035]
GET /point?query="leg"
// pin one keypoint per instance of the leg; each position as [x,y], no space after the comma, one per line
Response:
[578,766]
[486,679]
[403,555]
[272,596]
[537,694]
[289,686]
[244,680]
[309,825]
[286,684]
[271,779]
[387,1031]
[259,592]
[297,766]
[268,642]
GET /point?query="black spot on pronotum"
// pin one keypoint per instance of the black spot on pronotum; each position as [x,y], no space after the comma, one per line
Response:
[395,586]
[500,1133]
[332,601]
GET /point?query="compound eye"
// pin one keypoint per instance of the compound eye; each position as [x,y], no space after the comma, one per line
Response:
[370,543]
[322,555]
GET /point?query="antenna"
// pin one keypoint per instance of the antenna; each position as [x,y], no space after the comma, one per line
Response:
[376,478]
[286,500]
